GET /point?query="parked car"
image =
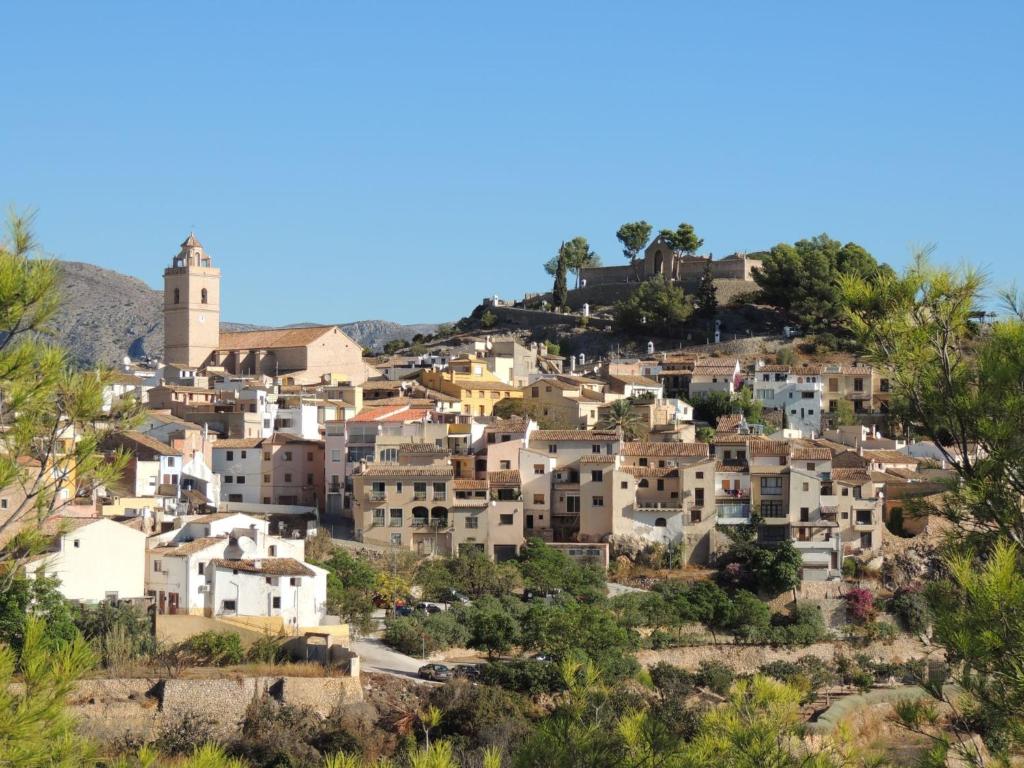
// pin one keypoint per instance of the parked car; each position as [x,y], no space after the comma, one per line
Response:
[429,607]
[403,610]
[451,596]
[439,673]
[470,672]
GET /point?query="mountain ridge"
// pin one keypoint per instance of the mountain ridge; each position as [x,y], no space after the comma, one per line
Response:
[105,315]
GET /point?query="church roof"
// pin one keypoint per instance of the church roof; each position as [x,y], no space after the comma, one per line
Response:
[191,241]
[273,338]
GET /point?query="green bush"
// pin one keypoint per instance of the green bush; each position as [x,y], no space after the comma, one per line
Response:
[672,681]
[220,649]
[266,650]
[417,634]
[716,676]
[849,568]
[529,677]
[911,608]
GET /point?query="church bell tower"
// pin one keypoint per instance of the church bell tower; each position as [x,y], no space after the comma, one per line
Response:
[191,307]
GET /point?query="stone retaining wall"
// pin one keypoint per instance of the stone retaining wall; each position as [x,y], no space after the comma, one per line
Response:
[110,709]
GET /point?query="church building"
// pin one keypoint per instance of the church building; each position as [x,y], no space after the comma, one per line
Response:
[193,340]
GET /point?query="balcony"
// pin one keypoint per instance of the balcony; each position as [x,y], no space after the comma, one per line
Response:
[864,521]
[419,496]
[439,496]
[334,488]
[671,507]
[733,513]
[376,495]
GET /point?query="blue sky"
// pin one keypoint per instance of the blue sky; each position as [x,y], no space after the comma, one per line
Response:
[402,160]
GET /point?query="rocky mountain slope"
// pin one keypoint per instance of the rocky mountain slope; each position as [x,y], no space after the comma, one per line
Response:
[105,315]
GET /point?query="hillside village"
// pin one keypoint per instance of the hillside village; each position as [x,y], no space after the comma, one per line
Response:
[251,449]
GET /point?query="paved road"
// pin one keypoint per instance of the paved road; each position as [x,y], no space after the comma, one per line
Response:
[377,657]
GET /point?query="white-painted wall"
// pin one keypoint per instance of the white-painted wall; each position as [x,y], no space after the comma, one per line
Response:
[302,598]
[96,559]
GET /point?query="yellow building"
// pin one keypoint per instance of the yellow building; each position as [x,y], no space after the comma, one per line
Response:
[469,380]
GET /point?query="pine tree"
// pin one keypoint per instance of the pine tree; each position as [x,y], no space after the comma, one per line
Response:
[560,292]
[706,297]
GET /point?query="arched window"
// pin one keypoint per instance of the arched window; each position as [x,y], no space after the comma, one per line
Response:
[643,483]
[177,296]
[204,296]
[660,523]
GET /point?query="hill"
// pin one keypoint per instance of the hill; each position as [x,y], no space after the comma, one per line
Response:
[105,315]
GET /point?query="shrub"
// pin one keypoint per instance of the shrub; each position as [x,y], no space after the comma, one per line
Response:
[529,677]
[266,650]
[274,735]
[849,568]
[716,676]
[878,631]
[672,681]
[219,649]
[911,608]
[860,605]
[488,319]
[184,734]
[415,635]
[809,673]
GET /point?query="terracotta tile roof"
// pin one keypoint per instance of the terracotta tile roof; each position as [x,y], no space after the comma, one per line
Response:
[730,422]
[811,453]
[388,385]
[504,477]
[515,425]
[151,443]
[272,566]
[274,338]
[890,457]
[248,442]
[467,484]
[733,438]
[848,460]
[739,468]
[558,383]
[282,438]
[576,435]
[714,368]
[581,380]
[57,524]
[903,473]
[858,370]
[773,369]
[422,449]
[469,384]
[391,414]
[439,397]
[851,476]
[652,471]
[597,458]
[637,381]
[673,448]
[402,470]
[170,549]
[764,448]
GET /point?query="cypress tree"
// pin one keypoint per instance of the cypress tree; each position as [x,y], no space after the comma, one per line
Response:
[560,292]
[706,297]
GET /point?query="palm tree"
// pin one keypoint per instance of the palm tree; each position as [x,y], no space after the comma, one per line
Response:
[620,415]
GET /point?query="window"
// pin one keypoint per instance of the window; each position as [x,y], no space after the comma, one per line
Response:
[858,385]
[309,455]
[660,522]
[506,519]
[538,469]
[309,479]
[472,522]
[202,568]
[771,486]
[228,479]
[230,455]
[806,487]
[266,478]
[177,296]
[643,483]
[243,454]
[552,448]
[170,461]
[203,296]
[335,455]
[287,477]
[538,498]
[266,454]
[597,475]
[772,509]
[396,539]
[378,517]
[275,602]
[846,491]
[642,462]
[696,515]
[505,464]
[272,550]
[395,521]
[287,455]
[698,497]
[78,544]
[595,448]
[805,514]
[240,479]
[624,484]
[3,503]
[700,475]
[156,566]
[661,484]
[810,465]
[295,581]
[389,454]
[534,391]
[597,501]
[227,606]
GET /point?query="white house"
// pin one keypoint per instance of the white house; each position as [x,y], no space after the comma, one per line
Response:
[176,561]
[799,394]
[274,587]
[715,376]
[239,464]
[94,558]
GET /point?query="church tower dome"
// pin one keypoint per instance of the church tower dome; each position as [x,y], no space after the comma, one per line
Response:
[191,307]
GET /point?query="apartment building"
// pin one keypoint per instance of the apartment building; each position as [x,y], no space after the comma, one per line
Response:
[239,463]
[406,505]
[798,393]
[470,381]
[293,471]
[562,400]
[715,375]
[865,387]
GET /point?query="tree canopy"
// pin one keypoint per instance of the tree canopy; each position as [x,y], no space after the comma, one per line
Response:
[683,239]
[657,307]
[634,237]
[576,255]
[804,278]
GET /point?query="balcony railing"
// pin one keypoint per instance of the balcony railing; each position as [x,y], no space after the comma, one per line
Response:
[733,514]
[419,496]
[672,507]
[376,495]
[440,495]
